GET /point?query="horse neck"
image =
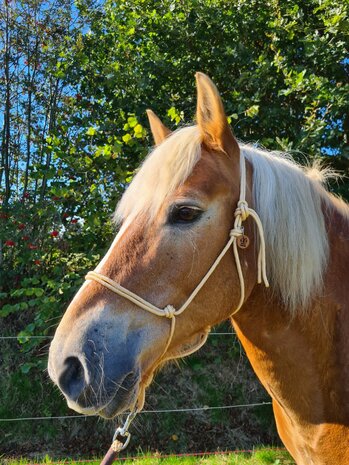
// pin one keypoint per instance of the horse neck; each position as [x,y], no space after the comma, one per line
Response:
[309,351]
[336,289]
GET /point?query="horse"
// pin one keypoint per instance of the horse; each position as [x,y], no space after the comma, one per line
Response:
[205,225]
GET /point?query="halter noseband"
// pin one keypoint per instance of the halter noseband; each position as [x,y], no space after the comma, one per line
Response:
[242,212]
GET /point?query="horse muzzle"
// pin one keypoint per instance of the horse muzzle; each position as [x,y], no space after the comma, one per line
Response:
[96,367]
[93,387]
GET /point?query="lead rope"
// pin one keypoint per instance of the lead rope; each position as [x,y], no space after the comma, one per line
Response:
[120,441]
[242,212]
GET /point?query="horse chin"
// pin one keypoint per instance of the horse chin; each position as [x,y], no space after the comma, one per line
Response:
[134,401]
[125,398]
[119,404]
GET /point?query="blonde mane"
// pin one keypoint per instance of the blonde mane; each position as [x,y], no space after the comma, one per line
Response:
[287,196]
[289,199]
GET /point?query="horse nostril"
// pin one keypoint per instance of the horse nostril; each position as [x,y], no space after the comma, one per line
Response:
[72,379]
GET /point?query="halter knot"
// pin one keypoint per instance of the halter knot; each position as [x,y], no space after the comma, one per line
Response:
[242,210]
[236,232]
[169,311]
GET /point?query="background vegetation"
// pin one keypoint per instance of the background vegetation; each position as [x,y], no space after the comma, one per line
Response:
[75,81]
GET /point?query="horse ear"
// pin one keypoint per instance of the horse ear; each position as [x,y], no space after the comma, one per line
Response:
[211,117]
[158,129]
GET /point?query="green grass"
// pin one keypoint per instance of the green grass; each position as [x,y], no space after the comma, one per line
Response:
[259,457]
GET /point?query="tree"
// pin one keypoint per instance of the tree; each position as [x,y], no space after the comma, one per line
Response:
[281,66]
[33,35]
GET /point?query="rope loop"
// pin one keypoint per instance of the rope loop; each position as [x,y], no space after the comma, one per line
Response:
[169,311]
[242,210]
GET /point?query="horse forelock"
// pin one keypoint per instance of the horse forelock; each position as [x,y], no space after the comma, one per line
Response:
[163,171]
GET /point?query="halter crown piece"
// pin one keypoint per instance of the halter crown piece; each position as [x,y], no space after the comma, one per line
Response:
[242,212]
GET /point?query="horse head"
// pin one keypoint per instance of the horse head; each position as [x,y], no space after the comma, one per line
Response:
[175,218]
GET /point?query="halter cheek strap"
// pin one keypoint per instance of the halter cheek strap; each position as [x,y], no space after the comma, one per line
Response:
[242,212]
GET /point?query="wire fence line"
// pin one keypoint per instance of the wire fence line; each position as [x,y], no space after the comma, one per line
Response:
[204,408]
[25,337]
[160,411]
[51,337]
[179,410]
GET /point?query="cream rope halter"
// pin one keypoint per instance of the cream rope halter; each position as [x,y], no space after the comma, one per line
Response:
[242,212]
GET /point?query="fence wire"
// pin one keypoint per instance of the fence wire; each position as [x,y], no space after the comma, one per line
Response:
[161,411]
[179,410]
[51,337]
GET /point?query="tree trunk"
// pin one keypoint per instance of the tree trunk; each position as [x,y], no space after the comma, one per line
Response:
[5,147]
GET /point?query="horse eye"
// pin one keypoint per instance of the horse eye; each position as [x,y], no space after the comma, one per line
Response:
[184,214]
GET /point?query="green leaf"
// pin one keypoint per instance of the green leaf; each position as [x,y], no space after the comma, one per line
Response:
[252,111]
[138,129]
[132,121]
[91,131]
[26,367]
[126,138]
[7,309]
[174,115]
[38,292]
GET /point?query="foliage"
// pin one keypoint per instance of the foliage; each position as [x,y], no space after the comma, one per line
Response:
[281,67]
[44,259]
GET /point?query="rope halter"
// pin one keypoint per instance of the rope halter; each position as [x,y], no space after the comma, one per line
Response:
[242,212]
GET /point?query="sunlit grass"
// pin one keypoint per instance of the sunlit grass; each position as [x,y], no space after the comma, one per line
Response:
[259,457]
